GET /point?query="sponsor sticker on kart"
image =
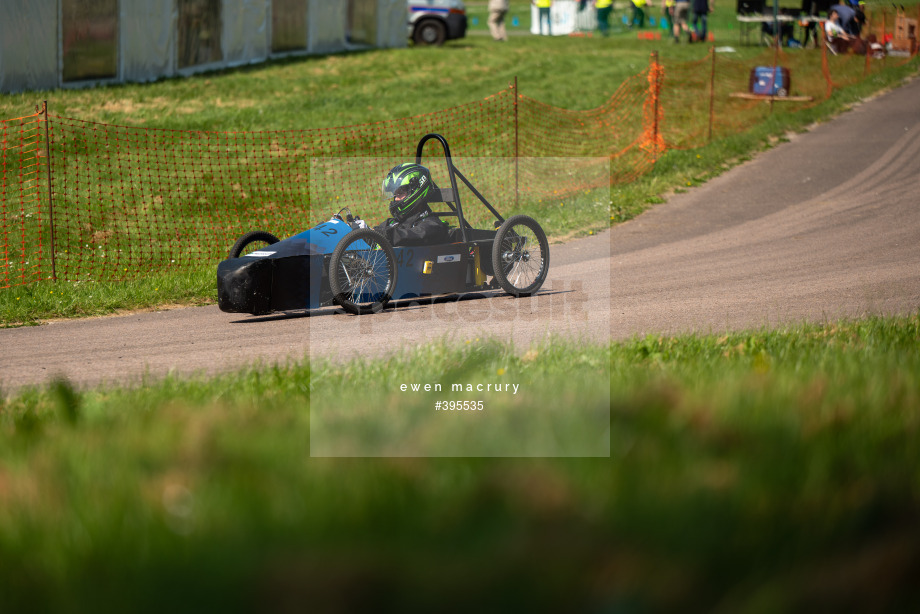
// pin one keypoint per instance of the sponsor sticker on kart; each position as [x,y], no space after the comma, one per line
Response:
[449,258]
[260,254]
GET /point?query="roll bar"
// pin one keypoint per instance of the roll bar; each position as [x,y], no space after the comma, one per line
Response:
[453,193]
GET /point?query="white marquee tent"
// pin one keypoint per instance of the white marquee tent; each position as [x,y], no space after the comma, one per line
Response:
[46,44]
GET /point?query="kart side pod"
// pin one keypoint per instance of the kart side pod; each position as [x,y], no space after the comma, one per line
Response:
[244,285]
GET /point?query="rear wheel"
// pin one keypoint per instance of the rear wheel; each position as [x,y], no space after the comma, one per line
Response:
[430,32]
[252,241]
[362,272]
[520,256]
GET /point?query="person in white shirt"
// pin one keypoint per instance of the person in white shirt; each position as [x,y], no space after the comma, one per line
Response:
[837,39]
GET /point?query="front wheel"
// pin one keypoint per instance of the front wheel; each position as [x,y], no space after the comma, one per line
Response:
[252,241]
[362,272]
[520,256]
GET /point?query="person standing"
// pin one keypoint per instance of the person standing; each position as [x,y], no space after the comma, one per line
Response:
[667,14]
[701,10]
[544,7]
[497,11]
[809,23]
[604,8]
[638,13]
[681,19]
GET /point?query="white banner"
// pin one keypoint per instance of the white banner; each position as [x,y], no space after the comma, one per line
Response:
[565,17]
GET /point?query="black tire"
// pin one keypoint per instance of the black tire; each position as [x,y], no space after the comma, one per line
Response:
[363,280]
[430,32]
[255,239]
[520,256]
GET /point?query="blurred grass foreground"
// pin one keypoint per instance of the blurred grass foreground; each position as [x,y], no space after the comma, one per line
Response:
[752,472]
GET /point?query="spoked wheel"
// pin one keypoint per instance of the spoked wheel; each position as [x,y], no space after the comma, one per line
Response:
[252,241]
[520,256]
[362,272]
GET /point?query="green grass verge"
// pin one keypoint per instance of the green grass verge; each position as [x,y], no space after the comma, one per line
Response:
[30,304]
[752,472]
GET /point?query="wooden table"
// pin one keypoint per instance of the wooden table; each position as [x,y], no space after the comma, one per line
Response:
[748,23]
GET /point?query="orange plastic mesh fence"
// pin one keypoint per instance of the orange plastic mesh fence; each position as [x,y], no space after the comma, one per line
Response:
[129,200]
[126,201]
[23,181]
[704,99]
[608,138]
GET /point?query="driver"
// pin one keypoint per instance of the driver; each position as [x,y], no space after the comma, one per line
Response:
[409,189]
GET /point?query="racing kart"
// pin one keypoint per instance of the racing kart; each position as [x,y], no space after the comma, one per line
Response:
[343,261]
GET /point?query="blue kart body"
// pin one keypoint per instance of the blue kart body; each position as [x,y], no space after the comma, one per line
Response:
[341,261]
[293,274]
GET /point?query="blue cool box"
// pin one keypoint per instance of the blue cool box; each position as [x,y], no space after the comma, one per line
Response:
[770,81]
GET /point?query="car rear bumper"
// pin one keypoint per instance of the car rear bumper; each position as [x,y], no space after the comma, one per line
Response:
[456,25]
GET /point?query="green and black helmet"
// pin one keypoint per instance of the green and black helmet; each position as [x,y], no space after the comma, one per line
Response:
[407,187]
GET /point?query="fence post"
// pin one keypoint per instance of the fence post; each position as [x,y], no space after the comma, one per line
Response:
[884,33]
[779,37]
[655,87]
[825,68]
[50,199]
[712,90]
[516,157]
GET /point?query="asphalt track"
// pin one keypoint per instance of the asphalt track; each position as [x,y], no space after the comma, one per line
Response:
[823,227]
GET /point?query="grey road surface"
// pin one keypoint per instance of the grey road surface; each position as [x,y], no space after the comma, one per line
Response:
[822,227]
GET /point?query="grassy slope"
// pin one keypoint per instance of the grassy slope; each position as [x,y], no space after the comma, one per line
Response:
[767,471]
[364,87]
[677,170]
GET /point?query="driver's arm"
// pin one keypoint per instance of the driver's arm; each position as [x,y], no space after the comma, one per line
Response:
[427,232]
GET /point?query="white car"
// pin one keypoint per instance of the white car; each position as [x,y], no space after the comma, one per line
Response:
[431,22]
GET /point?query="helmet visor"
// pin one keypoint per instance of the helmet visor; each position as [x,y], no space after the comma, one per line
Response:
[397,193]
[401,192]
